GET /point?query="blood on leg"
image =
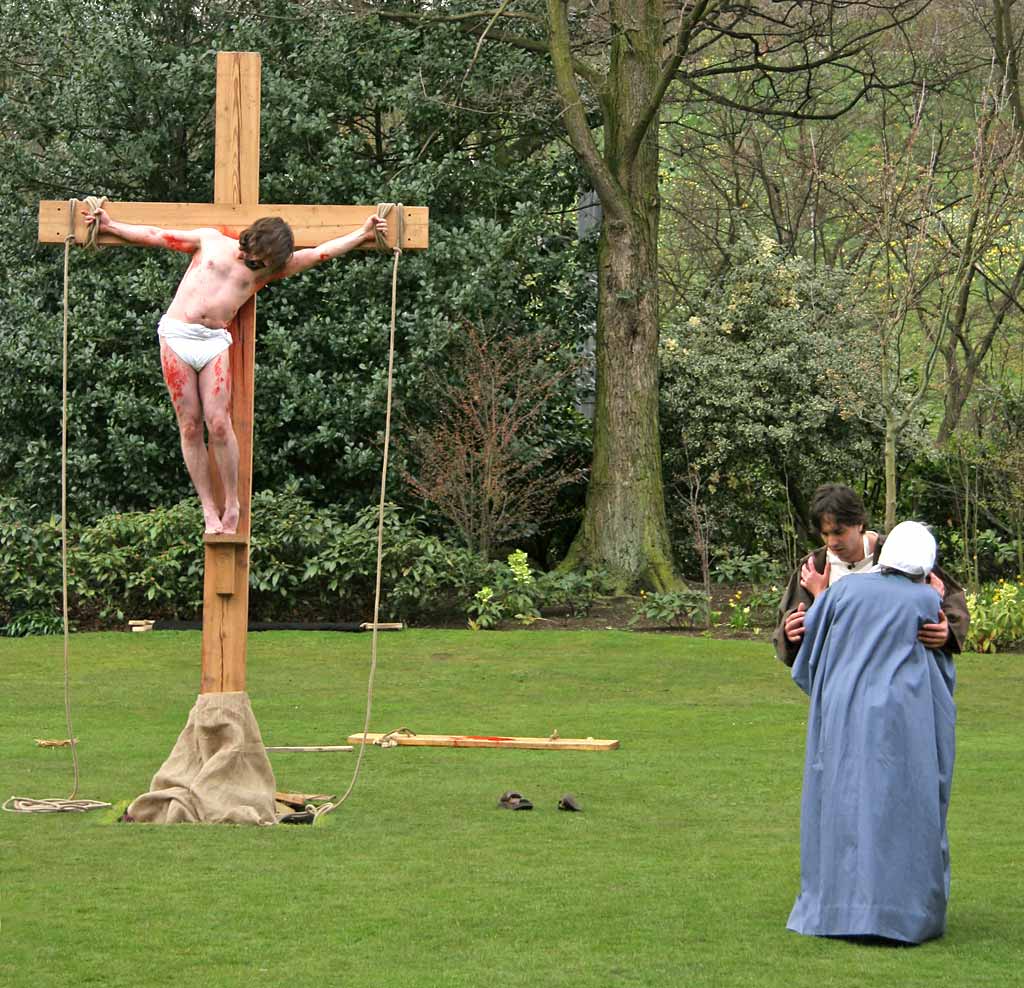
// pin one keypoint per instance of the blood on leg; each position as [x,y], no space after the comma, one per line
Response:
[215,395]
[183,388]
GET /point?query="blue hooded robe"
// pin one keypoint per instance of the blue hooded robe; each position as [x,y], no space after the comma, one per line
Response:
[874,857]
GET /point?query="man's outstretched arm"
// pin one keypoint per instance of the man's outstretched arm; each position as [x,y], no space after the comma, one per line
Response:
[187,241]
[309,257]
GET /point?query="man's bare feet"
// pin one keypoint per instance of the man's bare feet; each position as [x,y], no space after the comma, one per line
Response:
[212,521]
[229,520]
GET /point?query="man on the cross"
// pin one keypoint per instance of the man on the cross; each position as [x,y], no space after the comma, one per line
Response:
[223,275]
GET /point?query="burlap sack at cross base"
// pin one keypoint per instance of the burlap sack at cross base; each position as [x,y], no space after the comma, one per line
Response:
[218,771]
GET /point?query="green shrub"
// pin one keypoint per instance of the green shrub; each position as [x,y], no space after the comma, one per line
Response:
[988,557]
[513,591]
[140,565]
[677,608]
[30,571]
[757,399]
[997,616]
[758,567]
[306,564]
[575,590]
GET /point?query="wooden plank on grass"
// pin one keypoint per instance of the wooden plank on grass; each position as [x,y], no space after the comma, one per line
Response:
[309,747]
[485,741]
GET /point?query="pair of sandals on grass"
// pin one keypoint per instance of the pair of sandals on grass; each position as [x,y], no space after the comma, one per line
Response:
[513,800]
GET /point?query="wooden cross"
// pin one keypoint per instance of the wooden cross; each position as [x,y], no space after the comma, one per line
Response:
[236,205]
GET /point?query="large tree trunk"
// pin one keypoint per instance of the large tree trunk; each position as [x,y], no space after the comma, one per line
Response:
[624,528]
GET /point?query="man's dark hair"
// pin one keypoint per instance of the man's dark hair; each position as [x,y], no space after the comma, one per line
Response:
[269,238]
[839,502]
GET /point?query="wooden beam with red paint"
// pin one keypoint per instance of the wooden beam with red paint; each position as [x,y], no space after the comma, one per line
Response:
[488,741]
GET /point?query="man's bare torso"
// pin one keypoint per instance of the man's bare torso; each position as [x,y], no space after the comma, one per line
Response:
[216,283]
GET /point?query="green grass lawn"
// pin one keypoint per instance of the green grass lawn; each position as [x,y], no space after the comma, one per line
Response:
[680,871]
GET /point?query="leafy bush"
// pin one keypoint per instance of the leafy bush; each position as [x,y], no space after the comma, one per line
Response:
[30,571]
[306,563]
[513,591]
[309,564]
[677,608]
[762,394]
[140,565]
[988,555]
[757,567]
[997,617]
[575,590]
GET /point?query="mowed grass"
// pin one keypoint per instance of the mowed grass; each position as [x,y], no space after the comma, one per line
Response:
[680,871]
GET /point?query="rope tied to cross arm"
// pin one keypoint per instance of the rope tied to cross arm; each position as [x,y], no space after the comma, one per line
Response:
[93,204]
[384,210]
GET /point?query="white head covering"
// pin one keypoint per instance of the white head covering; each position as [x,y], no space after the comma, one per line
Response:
[909,548]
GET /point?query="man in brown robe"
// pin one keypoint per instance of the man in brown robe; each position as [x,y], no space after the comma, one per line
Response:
[839,515]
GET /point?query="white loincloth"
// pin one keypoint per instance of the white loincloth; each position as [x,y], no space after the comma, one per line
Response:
[194,343]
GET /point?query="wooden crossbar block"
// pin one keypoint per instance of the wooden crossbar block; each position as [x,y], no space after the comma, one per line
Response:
[222,553]
[312,225]
[481,741]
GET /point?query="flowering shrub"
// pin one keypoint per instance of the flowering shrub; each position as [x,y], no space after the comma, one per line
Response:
[997,616]
[739,613]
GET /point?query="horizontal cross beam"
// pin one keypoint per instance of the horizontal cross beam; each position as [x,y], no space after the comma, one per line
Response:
[312,225]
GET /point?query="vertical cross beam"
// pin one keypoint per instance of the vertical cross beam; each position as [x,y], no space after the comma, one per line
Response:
[226,578]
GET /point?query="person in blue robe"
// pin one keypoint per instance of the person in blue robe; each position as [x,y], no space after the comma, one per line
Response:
[874,856]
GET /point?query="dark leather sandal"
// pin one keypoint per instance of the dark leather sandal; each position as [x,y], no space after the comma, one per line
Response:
[513,800]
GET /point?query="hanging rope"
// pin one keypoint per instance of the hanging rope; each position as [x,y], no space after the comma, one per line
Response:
[383,211]
[22,804]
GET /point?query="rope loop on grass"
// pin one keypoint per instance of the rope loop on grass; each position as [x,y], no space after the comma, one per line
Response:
[25,804]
